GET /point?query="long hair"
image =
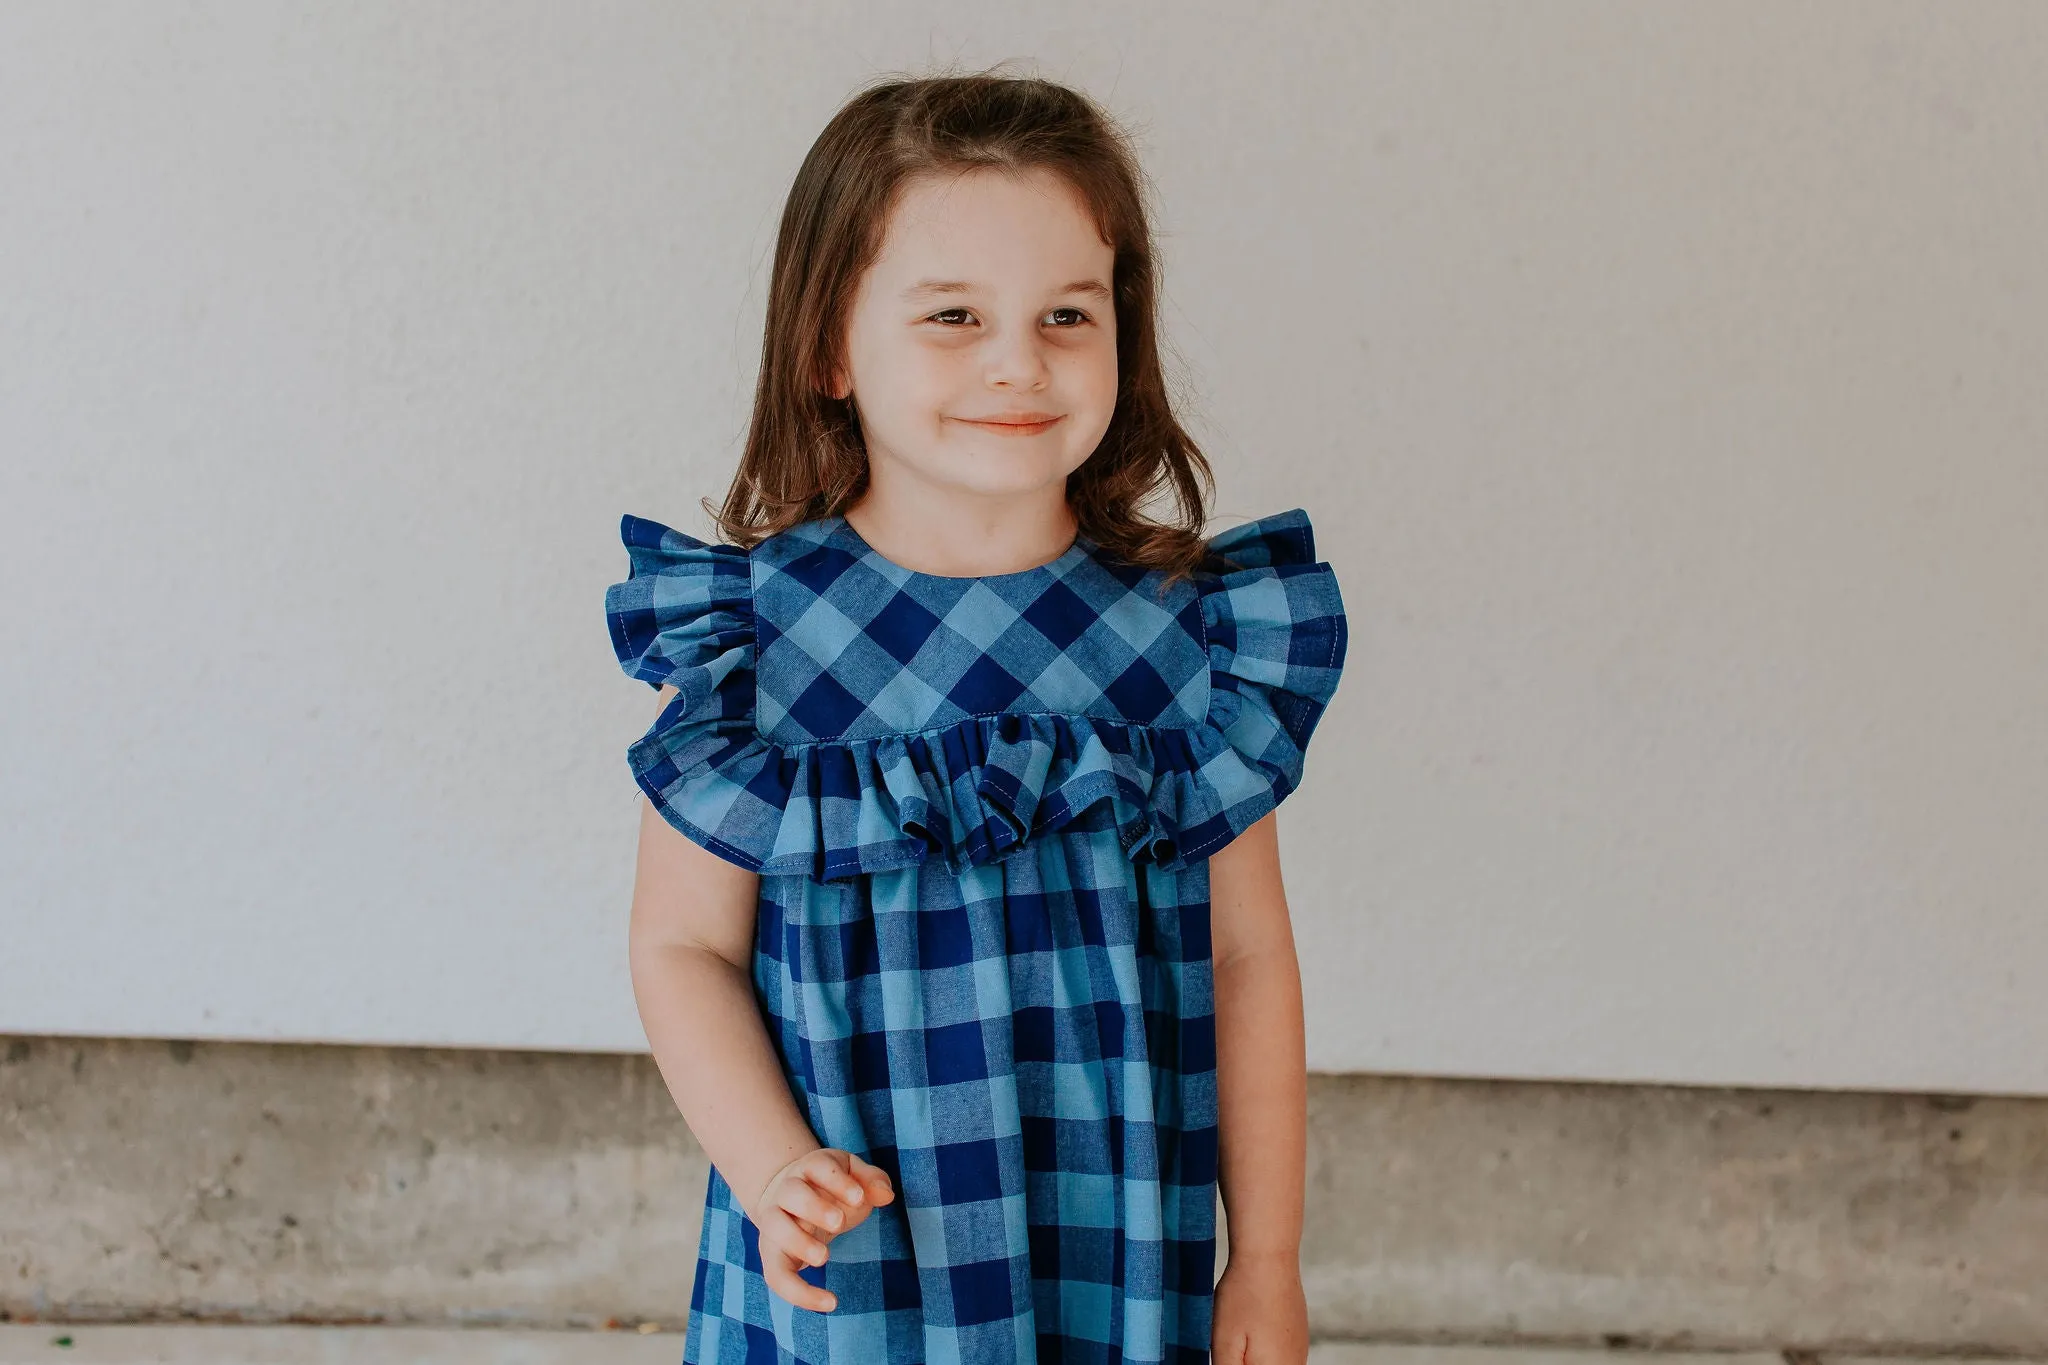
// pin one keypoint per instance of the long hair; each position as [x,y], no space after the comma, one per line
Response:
[805,457]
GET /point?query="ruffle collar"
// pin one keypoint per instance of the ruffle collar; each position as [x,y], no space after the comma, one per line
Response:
[973,792]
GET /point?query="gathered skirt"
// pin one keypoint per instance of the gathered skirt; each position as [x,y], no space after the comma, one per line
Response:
[1027,1047]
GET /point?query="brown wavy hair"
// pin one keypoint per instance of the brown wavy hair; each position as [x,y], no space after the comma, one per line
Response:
[805,457]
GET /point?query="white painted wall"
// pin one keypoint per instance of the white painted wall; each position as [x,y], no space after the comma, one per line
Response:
[1666,384]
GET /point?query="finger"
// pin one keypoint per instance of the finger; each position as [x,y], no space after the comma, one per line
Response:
[865,1171]
[804,1200]
[786,1235]
[826,1169]
[780,1273]
[792,1262]
[849,1187]
[874,1179]
[831,1177]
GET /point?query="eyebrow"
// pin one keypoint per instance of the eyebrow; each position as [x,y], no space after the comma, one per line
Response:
[1092,287]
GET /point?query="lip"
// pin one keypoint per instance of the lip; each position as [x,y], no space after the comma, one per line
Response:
[1011,427]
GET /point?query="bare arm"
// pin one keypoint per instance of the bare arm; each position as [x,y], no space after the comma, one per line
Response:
[691,946]
[1261,1053]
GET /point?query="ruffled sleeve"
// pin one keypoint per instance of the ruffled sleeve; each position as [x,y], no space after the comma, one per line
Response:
[685,618]
[1275,627]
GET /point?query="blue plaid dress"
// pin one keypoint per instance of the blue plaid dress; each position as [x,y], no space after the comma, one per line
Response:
[981,811]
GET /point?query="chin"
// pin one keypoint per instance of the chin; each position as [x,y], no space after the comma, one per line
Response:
[977,469]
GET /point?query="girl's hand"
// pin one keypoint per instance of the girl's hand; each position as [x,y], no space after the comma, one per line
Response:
[808,1202]
[1260,1313]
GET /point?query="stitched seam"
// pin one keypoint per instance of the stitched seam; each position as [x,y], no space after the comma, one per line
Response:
[979,715]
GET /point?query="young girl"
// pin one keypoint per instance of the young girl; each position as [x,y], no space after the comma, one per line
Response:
[958,930]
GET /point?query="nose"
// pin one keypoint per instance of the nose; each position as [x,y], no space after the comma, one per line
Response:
[1015,358]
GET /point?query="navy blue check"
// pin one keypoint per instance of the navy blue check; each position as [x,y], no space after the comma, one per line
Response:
[982,810]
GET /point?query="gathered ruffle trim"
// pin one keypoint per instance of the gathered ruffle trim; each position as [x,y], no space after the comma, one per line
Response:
[976,790]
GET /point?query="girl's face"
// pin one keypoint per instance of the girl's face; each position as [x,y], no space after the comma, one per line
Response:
[990,301]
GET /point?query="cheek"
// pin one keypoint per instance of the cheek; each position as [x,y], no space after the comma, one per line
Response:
[943,381]
[915,396]
[1096,376]
[906,376]
[933,388]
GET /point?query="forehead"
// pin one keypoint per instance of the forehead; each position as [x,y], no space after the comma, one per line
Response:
[989,226]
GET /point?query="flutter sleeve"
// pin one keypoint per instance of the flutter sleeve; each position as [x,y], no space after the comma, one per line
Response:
[1274,623]
[684,618]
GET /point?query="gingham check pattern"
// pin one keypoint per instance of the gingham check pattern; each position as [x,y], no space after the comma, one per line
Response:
[982,810]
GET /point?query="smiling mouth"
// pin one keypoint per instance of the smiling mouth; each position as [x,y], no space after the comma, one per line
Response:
[1012,428]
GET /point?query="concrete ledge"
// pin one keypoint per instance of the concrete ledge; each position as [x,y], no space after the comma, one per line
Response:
[243,1182]
[176,1345]
[1677,1217]
[189,1345]
[145,1179]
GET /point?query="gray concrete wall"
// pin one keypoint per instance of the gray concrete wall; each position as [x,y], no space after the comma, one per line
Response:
[144,1179]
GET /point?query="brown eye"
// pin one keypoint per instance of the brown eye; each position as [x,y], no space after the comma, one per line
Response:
[943,313]
[1075,311]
